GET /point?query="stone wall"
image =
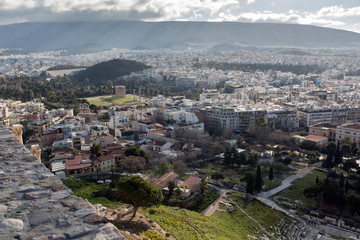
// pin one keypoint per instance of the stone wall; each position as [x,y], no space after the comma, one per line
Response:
[35,204]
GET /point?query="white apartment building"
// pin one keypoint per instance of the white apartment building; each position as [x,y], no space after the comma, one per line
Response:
[351,130]
[181,116]
[335,115]
[283,118]
[222,119]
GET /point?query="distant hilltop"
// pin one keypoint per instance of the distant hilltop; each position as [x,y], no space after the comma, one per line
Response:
[96,36]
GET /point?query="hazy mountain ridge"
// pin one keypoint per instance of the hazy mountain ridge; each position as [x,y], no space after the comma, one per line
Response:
[132,34]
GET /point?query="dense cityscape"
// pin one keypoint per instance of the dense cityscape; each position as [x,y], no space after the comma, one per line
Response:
[162,119]
[271,126]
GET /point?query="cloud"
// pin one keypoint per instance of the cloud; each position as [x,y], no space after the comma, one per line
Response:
[168,10]
[288,17]
[338,12]
[155,10]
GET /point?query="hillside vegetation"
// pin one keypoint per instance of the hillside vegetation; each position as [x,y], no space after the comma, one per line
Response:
[109,70]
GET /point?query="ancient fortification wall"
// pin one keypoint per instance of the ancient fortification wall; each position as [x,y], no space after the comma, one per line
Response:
[35,204]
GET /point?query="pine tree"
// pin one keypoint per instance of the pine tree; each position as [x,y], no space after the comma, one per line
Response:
[258,181]
[271,173]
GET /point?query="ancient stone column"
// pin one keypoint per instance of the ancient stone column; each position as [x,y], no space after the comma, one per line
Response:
[17,130]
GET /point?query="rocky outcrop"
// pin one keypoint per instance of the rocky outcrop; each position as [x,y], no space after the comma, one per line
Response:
[35,204]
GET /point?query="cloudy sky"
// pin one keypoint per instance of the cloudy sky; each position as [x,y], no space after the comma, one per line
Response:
[341,14]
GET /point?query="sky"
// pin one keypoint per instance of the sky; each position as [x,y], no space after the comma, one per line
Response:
[338,14]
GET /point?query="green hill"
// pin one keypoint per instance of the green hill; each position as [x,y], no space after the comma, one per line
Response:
[109,70]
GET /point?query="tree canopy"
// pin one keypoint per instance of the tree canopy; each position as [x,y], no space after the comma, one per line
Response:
[138,192]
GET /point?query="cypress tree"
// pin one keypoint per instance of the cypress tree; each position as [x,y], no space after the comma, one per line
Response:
[271,173]
[250,184]
[258,181]
[338,155]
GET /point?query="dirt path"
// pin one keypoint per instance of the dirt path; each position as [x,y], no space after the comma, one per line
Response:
[215,205]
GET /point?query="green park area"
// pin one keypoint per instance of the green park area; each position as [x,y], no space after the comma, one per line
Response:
[185,224]
[113,100]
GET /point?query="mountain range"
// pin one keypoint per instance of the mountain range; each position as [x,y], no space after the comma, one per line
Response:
[95,36]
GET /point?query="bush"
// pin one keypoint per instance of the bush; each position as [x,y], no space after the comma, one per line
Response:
[217,175]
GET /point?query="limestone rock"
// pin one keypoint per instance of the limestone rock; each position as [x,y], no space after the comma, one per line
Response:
[77,231]
[108,232]
[11,225]
[37,194]
[84,212]
[41,216]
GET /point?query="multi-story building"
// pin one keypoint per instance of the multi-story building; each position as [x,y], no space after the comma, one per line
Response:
[324,130]
[311,116]
[351,130]
[283,118]
[40,126]
[222,119]
[334,115]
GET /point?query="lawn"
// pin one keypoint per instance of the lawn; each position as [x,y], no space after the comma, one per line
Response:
[110,100]
[84,189]
[295,192]
[271,184]
[185,224]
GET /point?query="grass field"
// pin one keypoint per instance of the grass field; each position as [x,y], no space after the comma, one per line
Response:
[295,192]
[185,224]
[84,189]
[110,100]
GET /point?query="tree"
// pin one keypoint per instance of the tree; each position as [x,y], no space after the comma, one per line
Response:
[250,186]
[338,156]
[171,186]
[241,159]
[347,186]
[258,181]
[203,185]
[341,181]
[217,175]
[331,148]
[252,159]
[96,149]
[138,192]
[350,164]
[317,180]
[135,151]
[163,168]
[271,173]
[354,148]
[180,167]
[314,191]
[132,163]
[328,163]
[227,156]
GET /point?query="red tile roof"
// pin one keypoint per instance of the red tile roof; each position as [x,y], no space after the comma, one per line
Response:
[192,180]
[159,143]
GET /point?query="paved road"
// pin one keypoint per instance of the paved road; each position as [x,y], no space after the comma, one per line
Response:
[287,182]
